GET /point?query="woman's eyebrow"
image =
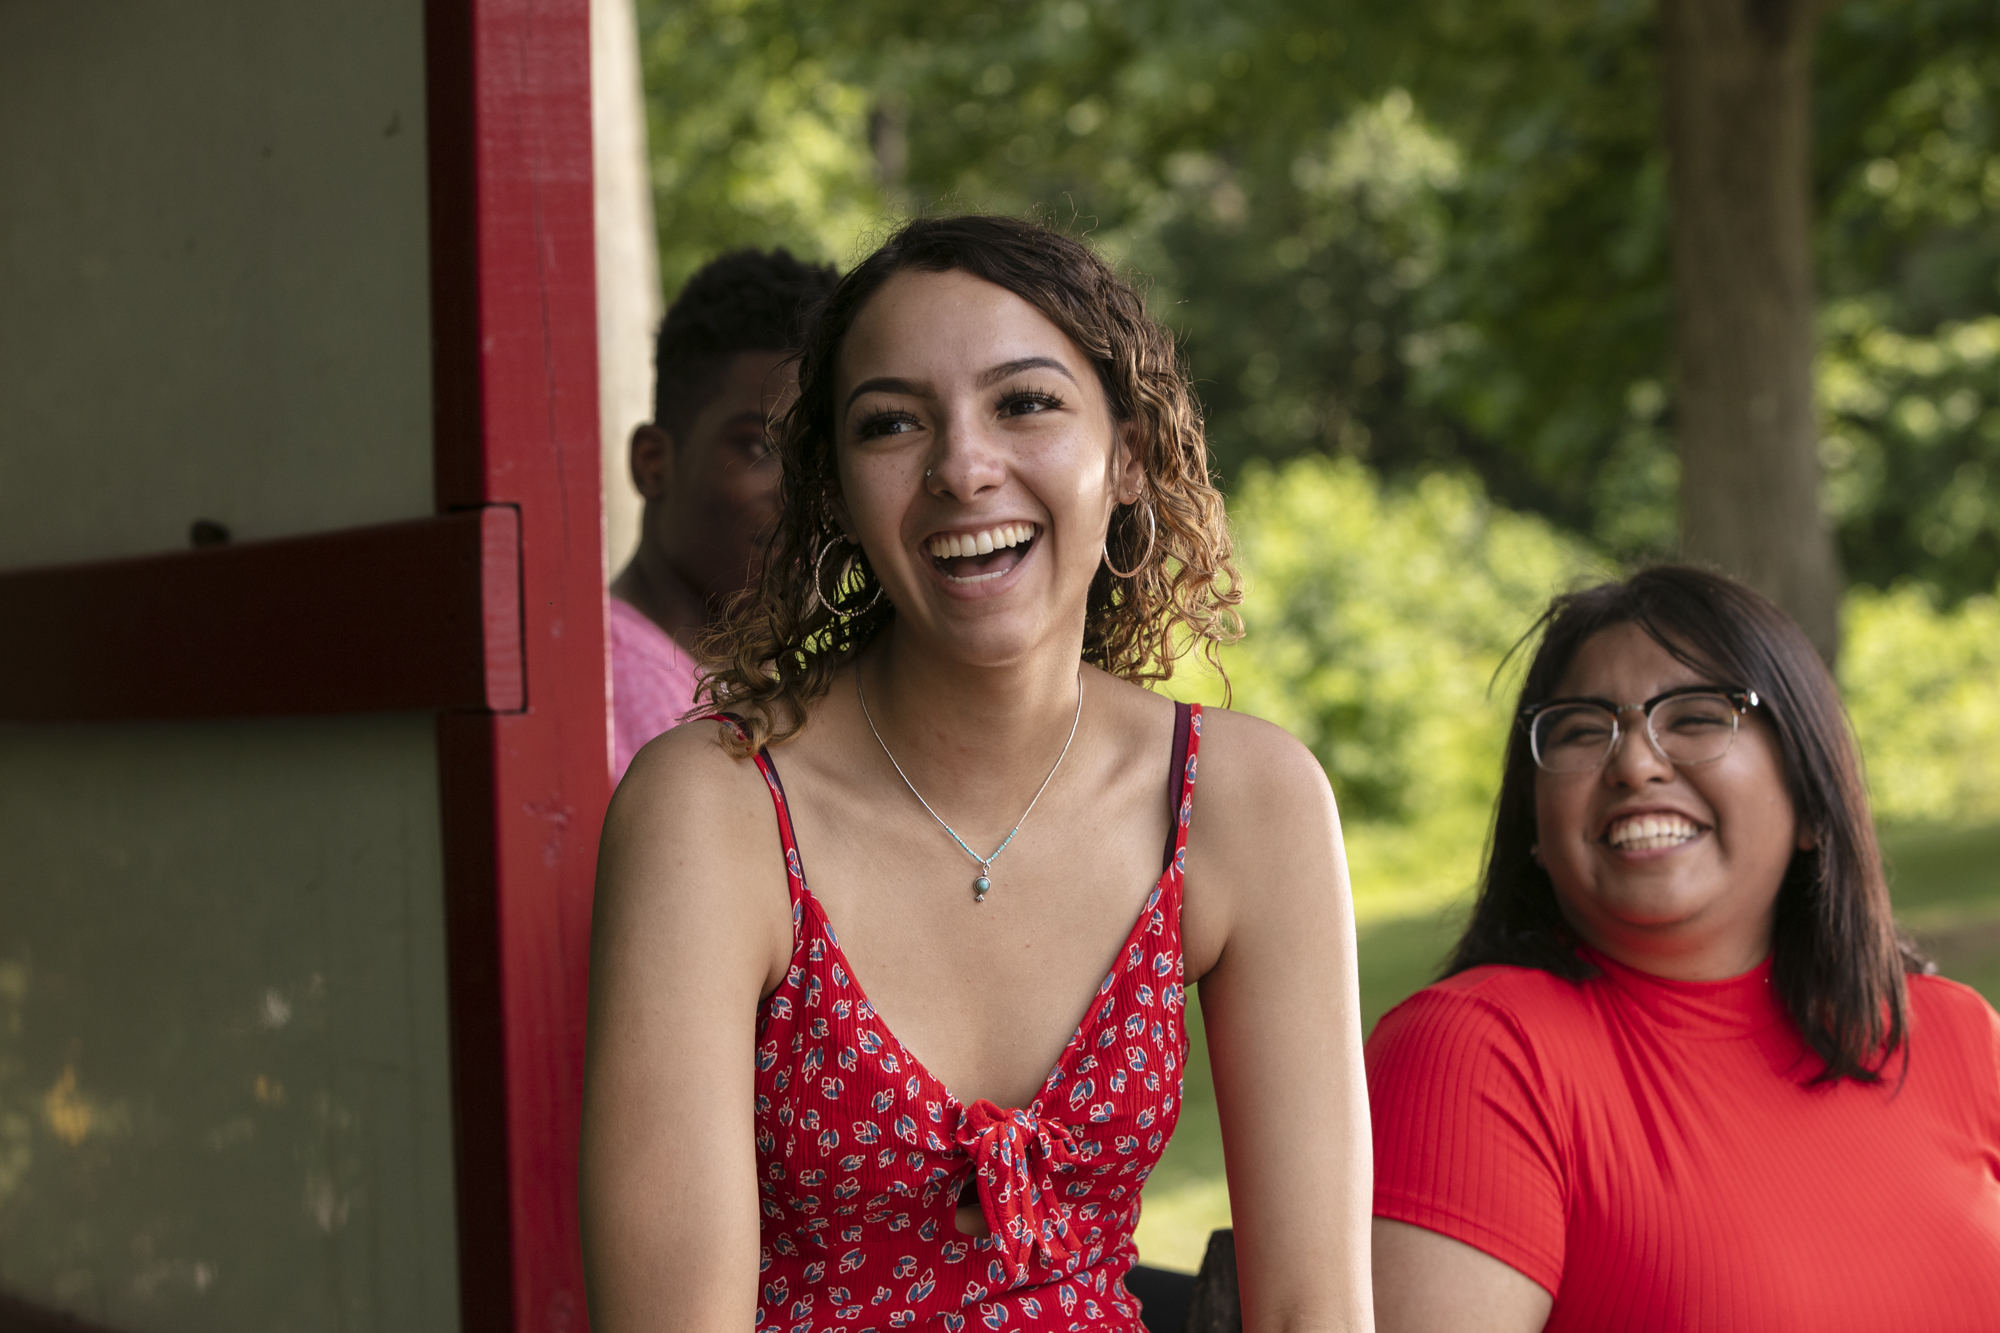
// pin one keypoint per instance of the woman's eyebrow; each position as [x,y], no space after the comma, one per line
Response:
[992,376]
[888,384]
[1006,368]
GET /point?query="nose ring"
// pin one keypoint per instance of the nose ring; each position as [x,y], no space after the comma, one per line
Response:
[928,471]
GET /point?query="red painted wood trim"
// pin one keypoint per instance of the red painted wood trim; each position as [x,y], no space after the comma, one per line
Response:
[416,615]
[515,377]
[500,616]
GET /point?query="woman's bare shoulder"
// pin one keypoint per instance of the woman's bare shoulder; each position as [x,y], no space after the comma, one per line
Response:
[692,820]
[1259,771]
[1264,854]
[689,775]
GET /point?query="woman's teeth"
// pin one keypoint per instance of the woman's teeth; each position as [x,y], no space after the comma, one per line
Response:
[1650,833]
[999,538]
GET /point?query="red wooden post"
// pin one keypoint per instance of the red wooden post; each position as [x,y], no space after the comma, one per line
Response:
[515,367]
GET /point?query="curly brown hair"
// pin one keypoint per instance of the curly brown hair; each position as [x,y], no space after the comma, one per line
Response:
[777,647]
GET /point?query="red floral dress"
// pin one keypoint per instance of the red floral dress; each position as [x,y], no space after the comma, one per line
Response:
[863,1156]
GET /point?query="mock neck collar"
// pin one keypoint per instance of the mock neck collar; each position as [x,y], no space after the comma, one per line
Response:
[1732,1007]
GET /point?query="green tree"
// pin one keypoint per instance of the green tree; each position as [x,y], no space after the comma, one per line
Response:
[1559,291]
[1284,204]
[759,131]
[1910,380]
[1421,235]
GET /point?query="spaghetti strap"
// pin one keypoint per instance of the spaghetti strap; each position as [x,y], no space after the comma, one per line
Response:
[795,876]
[1180,784]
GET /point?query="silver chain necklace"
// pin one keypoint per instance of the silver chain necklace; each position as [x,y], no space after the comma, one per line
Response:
[985,880]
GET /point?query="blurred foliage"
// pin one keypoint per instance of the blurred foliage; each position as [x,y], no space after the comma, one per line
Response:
[1923,687]
[1422,235]
[1906,160]
[1913,435]
[1377,616]
[1284,209]
[1550,313]
[1378,619]
[1910,376]
[1555,295]
[758,132]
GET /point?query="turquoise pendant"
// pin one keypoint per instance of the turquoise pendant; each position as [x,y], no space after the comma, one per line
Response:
[979,888]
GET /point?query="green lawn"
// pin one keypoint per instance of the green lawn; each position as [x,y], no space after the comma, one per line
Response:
[1945,883]
[1946,886]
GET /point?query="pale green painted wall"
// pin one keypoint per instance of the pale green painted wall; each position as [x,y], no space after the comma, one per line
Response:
[213,245]
[224,1086]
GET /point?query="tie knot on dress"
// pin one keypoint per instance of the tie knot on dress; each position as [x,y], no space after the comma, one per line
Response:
[1016,1156]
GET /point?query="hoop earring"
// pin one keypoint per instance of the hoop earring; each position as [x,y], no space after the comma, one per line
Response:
[819,588]
[1152,534]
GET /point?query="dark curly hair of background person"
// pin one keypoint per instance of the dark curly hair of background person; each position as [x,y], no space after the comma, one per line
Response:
[743,301]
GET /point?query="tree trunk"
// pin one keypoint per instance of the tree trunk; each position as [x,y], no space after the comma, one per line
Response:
[1739,94]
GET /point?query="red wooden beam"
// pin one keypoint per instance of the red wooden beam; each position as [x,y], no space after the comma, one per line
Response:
[418,615]
[514,371]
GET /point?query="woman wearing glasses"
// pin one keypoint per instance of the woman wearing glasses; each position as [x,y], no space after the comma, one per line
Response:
[1681,1073]
[886,1025]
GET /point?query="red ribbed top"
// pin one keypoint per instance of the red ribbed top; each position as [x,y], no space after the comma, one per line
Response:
[1647,1150]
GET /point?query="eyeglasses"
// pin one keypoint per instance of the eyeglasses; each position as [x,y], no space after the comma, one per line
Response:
[1695,724]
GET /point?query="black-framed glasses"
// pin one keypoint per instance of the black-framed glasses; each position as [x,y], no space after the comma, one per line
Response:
[1695,724]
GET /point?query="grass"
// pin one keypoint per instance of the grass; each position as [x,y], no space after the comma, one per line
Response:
[1946,886]
[1945,883]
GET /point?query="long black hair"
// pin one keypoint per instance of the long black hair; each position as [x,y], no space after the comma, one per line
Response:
[1837,961]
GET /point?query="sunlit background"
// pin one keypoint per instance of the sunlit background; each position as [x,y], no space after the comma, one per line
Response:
[1417,257]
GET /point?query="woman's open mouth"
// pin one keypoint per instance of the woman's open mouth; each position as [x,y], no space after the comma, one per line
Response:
[984,555]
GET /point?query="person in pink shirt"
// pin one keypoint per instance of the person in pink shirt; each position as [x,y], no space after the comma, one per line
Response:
[704,465]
